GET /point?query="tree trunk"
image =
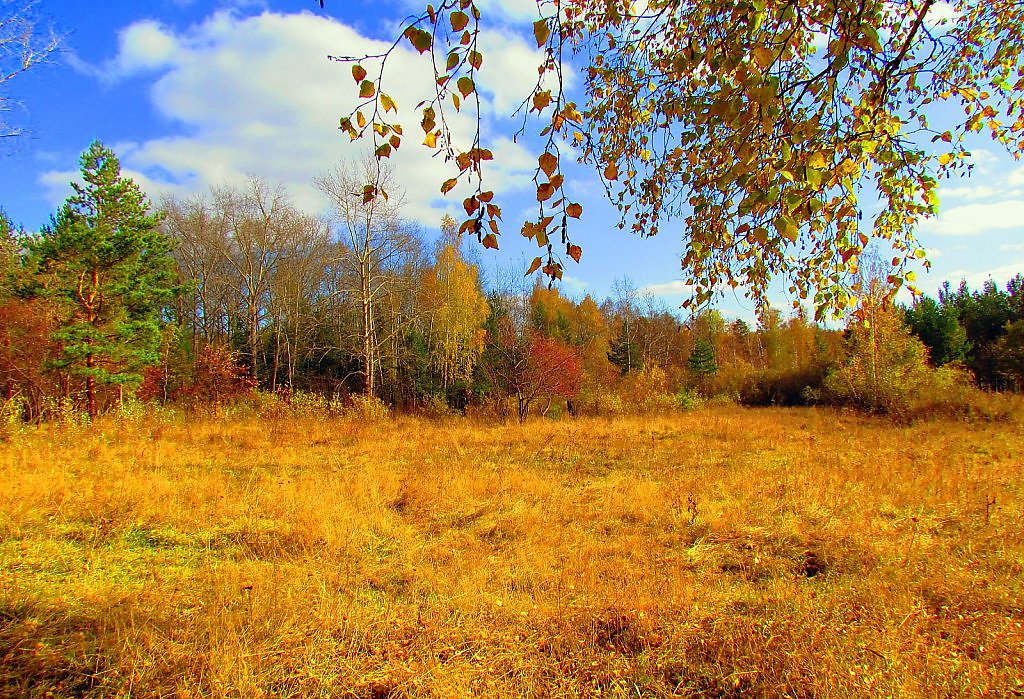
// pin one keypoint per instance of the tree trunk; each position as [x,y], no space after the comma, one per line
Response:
[369,349]
[254,316]
[90,363]
[277,357]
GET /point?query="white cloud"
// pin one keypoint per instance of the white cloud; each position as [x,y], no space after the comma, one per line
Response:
[492,10]
[516,10]
[676,288]
[142,46]
[145,46]
[573,286]
[941,14]
[256,95]
[1016,176]
[975,219]
[972,192]
[1000,275]
[510,69]
[983,160]
[1012,247]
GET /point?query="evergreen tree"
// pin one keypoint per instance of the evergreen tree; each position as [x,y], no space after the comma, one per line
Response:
[624,351]
[702,359]
[984,315]
[105,265]
[8,254]
[938,328]
[1009,354]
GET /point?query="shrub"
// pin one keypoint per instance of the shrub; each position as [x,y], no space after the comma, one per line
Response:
[219,377]
[368,409]
[688,399]
[647,391]
[436,407]
[786,387]
[886,368]
[315,405]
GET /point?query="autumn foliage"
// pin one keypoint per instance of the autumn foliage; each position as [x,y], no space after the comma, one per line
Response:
[220,375]
[25,348]
[553,370]
[762,123]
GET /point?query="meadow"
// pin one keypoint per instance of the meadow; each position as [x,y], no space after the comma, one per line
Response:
[724,552]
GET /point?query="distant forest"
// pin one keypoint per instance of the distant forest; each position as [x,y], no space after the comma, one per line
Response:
[236,293]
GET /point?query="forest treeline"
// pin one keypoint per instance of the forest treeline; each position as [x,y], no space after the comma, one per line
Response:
[215,297]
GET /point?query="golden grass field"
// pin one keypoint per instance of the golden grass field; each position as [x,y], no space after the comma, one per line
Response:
[726,552]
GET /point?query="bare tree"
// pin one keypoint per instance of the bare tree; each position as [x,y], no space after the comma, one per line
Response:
[373,245]
[200,233]
[24,43]
[246,249]
[296,289]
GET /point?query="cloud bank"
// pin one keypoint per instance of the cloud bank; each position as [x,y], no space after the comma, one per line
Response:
[256,95]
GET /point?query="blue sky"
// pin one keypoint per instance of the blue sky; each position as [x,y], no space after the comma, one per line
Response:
[200,93]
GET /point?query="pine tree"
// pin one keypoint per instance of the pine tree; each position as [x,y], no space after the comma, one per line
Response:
[623,351]
[702,359]
[8,254]
[106,266]
[939,329]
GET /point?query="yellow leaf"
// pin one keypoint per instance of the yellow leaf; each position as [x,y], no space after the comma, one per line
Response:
[387,103]
[431,140]
[787,228]
[945,158]
[359,73]
[541,31]
[366,89]
[548,163]
[611,172]
[490,241]
[534,266]
[542,236]
[421,40]
[762,56]
[574,210]
[459,20]
[575,252]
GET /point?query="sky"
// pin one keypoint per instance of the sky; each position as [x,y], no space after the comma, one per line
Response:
[198,93]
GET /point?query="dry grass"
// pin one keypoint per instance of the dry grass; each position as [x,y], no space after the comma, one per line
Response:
[722,553]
